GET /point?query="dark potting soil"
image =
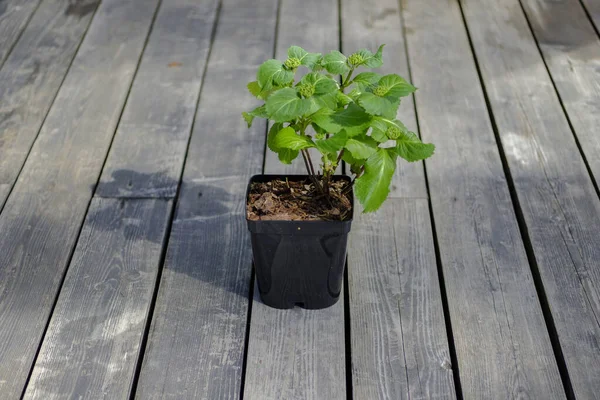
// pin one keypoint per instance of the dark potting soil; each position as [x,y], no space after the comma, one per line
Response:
[283,200]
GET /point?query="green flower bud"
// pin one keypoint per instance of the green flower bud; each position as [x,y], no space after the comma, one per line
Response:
[356,59]
[292,63]
[393,133]
[306,89]
[380,91]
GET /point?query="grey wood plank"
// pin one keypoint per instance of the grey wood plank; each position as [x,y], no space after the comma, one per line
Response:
[593,9]
[14,16]
[93,340]
[148,151]
[4,191]
[48,203]
[571,50]
[559,203]
[368,24]
[398,334]
[32,76]
[196,343]
[399,343]
[298,354]
[500,335]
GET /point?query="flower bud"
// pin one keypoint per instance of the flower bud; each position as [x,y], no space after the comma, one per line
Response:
[306,89]
[292,63]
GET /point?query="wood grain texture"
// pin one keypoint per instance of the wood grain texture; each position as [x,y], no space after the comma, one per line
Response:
[593,9]
[196,343]
[399,343]
[571,50]
[297,353]
[148,151]
[48,203]
[31,78]
[92,344]
[501,340]
[14,16]
[560,205]
[368,24]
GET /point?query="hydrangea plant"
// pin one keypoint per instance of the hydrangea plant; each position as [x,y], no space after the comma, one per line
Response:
[346,117]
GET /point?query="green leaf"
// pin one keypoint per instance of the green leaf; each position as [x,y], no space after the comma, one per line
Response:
[355,164]
[307,59]
[343,99]
[378,105]
[273,72]
[353,119]
[410,147]
[287,138]
[396,86]
[322,83]
[254,88]
[373,186]
[334,144]
[371,60]
[260,112]
[286,156]
[362,147]
[285,105]
[335,63]
[271,136]
[366,79]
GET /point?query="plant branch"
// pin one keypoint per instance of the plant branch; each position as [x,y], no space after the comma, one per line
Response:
[345,82]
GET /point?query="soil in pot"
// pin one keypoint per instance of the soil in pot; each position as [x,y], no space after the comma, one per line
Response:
[289,200]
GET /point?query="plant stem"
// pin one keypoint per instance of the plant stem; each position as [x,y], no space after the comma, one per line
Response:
[339,158]
[345,82]
[310,162]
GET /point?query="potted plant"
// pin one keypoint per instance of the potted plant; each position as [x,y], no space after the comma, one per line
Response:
[299,224]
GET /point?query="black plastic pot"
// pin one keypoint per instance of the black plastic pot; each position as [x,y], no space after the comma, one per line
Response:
[299,263]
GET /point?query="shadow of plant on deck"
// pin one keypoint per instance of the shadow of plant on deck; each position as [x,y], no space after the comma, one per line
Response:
[208,240]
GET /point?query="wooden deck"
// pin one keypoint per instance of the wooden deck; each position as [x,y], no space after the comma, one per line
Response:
[125,261]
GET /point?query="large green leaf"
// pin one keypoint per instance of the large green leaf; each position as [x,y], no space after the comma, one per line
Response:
[334,144]
[376,105]
[361,147]
[273,72]
[366,79]
[260,112]
[353,119]
[286,156]
[322,83]
[396,86]
[335,63]
[307,59]
[373,187]
[410,147]
[287,138]
[285,105]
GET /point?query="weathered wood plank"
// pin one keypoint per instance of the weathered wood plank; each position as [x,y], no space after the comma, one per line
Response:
[571,49]
[559,203]
[501,340]
[399,343]
[4,191]
[48,203]
[593,9]
[14,16]
[92,343]
[31,78]
[368,24]
[298,354]
[398,335]
[196,343]
[148,151]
